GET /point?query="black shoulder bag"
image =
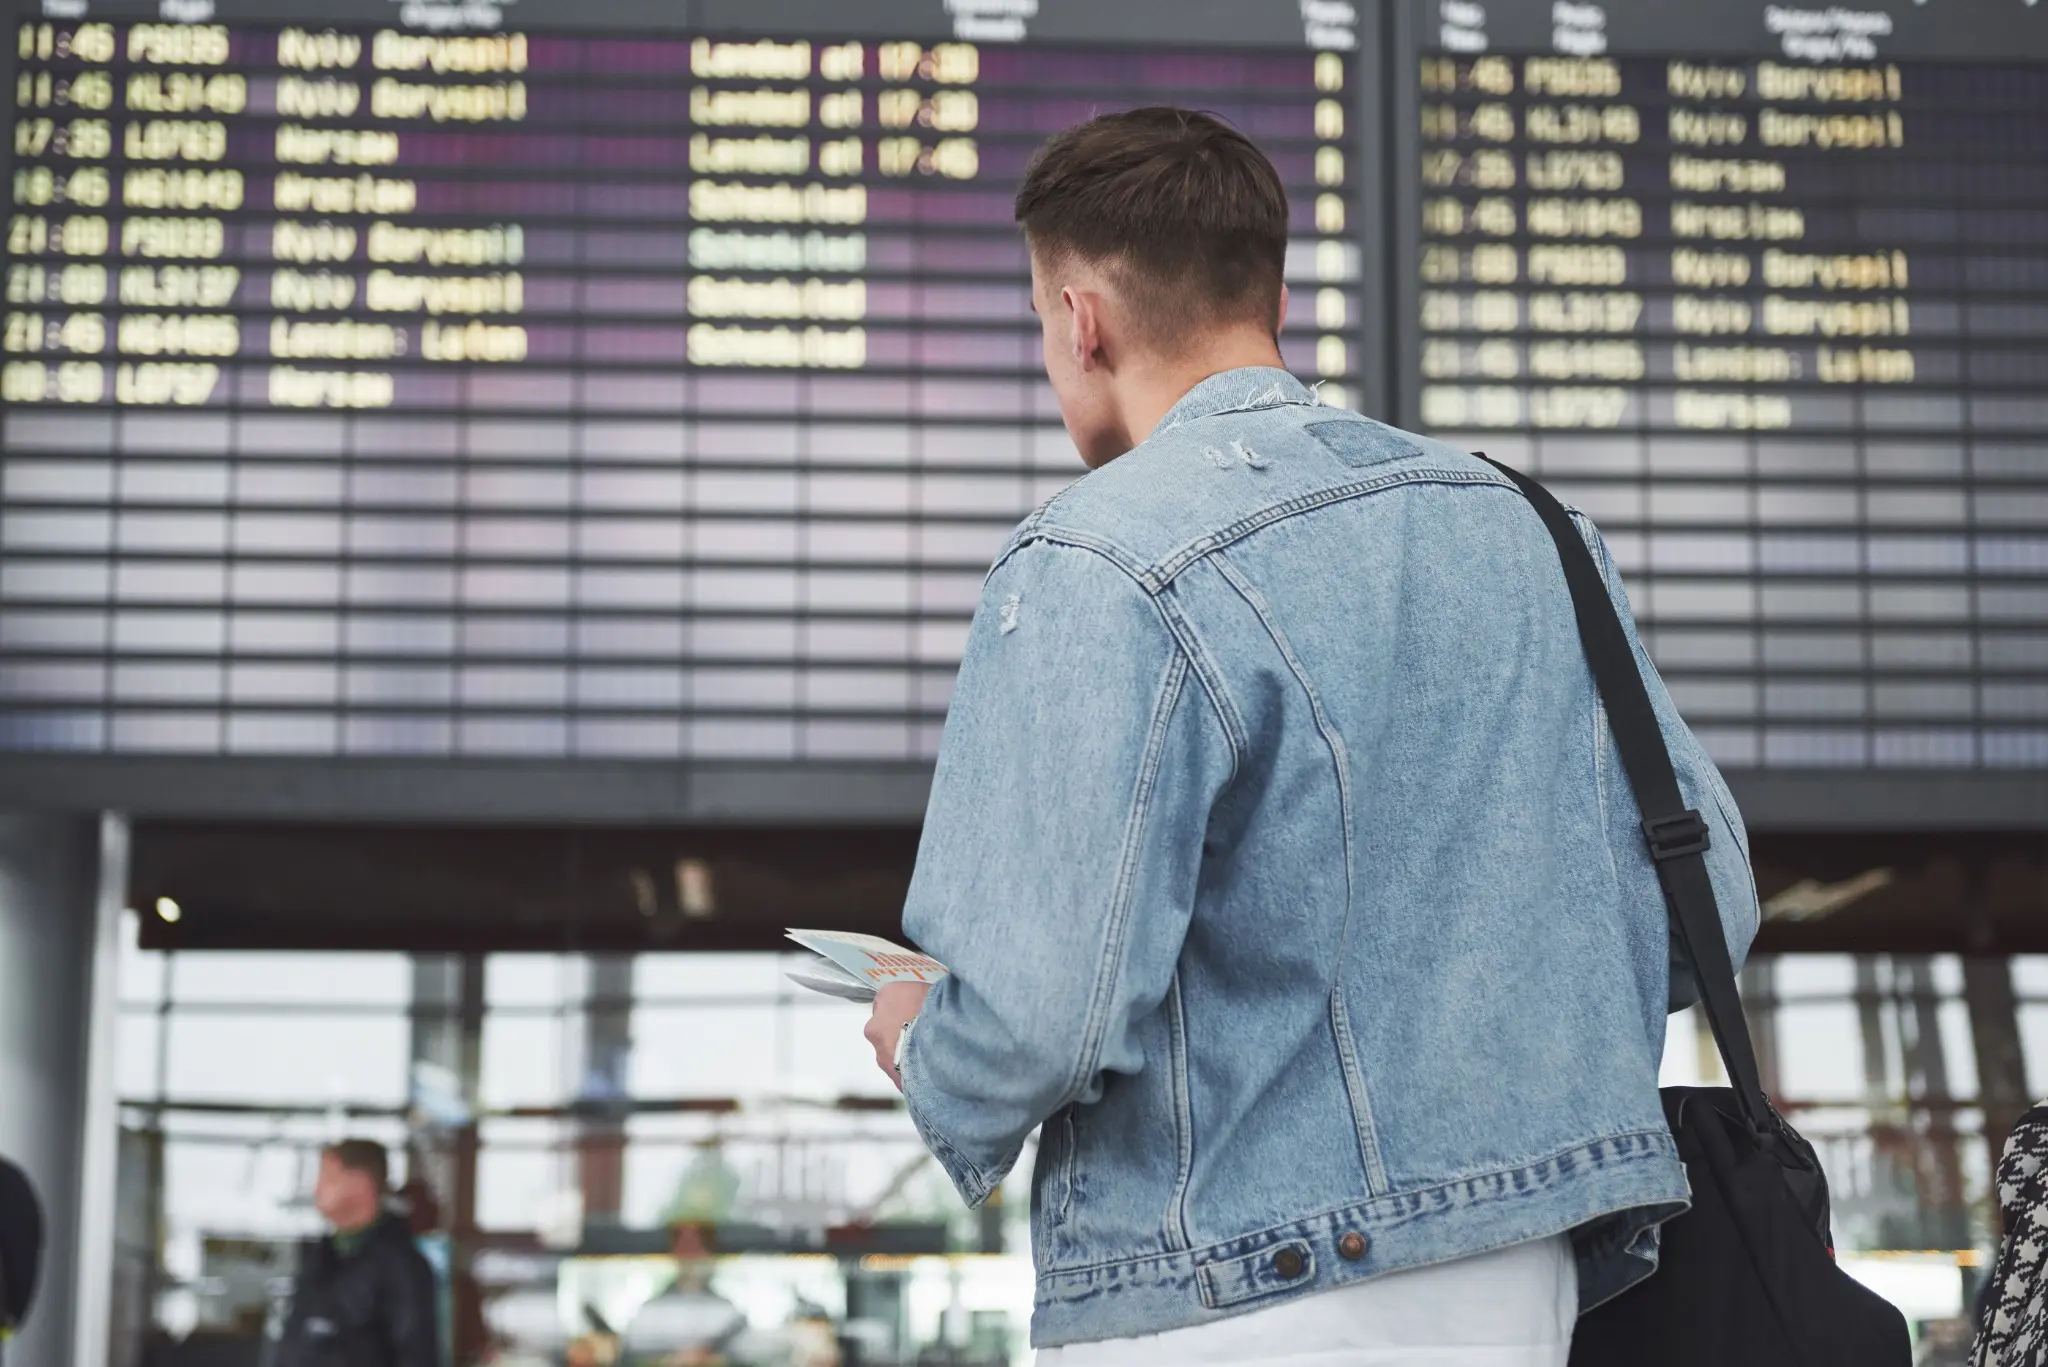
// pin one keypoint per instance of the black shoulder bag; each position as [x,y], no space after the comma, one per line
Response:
[1747,1277]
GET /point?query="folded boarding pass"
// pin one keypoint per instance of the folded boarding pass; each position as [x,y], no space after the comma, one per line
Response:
[852,966]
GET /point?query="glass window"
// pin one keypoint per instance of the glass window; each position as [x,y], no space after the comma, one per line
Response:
[524,1173]
[278,1056]
[1820,1051]
[141,972]
[659,977]
[527,1060]
[136,1035]
[367,980]
[727,1050]
[533,980]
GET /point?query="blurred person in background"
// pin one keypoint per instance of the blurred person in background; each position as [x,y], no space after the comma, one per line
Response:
[364,1295]
[2012,1328]
[21,1249]
[689,1324]
[1278,844]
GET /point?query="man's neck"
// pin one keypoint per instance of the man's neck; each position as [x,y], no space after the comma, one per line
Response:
[1152,393]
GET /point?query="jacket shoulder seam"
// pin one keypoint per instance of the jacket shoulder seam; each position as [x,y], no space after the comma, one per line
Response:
[1155,576]
[1173,565]
[1170,619]
[1034,531]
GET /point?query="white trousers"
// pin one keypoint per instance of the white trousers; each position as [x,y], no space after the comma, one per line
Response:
[1511,1308]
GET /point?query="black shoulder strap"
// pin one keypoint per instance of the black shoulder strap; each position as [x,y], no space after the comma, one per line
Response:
[1677,834]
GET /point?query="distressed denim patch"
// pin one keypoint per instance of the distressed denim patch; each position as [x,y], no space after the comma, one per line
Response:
[1357,443]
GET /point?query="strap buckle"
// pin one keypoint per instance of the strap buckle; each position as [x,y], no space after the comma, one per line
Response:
[1675,836]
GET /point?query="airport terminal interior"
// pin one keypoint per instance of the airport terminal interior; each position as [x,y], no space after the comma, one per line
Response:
[619,1100]
[656,1147]
[493,492]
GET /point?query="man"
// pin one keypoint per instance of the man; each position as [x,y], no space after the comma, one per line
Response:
[364,1296]
[1278,844]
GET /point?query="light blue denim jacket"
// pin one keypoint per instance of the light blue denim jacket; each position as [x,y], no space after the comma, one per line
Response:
[1288,876]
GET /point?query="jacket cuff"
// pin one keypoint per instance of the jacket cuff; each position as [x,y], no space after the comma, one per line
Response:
[974,1181]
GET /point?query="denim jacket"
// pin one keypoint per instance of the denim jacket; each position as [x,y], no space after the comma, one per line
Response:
[1290,880]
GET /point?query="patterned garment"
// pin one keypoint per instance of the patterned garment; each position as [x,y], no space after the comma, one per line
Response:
[2014,1330]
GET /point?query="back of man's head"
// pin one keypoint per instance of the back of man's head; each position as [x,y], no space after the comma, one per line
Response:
[1182,212]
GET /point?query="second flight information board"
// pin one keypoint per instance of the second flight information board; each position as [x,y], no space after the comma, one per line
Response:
[656,382]
[1765,290]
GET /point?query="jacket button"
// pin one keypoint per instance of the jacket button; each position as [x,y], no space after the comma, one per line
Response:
[1352,1246]
[1288,1263]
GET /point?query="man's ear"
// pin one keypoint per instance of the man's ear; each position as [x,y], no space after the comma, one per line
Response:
[1084,313]
[1280,323]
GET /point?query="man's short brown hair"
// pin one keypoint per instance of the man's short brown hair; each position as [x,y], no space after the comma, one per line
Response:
[365,1156]
[1185,212]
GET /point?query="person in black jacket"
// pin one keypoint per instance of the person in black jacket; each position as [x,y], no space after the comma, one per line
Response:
[364,1295]
[21,1248]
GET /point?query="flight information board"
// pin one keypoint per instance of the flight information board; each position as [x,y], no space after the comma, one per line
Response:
[1765,289]
[553,387]
[640,379]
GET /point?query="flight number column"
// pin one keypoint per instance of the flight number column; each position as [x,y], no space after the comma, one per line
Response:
[177,275]
[1582,223]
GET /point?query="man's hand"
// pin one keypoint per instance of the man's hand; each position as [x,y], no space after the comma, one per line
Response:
[896,1006]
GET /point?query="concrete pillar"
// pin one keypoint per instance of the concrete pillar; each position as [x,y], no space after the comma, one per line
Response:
[447,1033]
[607,1053]
[61,888]
[1944,1219]
[1758,982]
[2001,1058]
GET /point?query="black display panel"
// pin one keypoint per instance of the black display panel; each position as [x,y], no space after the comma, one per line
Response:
[629,381]
[1765,289]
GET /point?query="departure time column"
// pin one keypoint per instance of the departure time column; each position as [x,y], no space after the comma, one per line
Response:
[59,233]
[1470,261]
[1333,354]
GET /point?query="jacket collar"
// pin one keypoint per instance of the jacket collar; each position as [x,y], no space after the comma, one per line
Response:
[1234,391]
[387,1225]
